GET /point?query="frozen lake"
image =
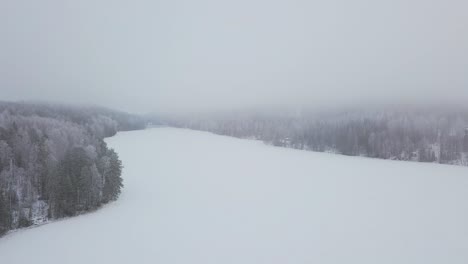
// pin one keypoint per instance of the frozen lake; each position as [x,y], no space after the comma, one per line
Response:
[195,197]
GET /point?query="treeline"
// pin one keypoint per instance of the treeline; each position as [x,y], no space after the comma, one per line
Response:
[426,135]
[54,162]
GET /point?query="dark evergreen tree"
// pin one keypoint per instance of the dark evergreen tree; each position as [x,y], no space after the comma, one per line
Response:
[112,180]
[4,215]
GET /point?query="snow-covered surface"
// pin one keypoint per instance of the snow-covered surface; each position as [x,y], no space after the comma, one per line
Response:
[194,197]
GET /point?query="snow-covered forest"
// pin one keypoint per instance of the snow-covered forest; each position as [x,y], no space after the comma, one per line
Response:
[195,197]
[438,134]
[54,162]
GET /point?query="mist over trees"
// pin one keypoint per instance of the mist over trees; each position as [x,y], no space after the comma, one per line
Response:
[415,134]
[54,162]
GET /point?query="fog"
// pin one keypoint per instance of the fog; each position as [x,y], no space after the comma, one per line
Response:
[183,55]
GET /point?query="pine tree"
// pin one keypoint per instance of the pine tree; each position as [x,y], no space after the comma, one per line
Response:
[4,215]
[113,182]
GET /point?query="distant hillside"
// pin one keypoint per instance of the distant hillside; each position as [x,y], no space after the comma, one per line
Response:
[430,134]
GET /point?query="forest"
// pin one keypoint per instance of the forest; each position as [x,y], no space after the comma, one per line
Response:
[430,134]
[54,162]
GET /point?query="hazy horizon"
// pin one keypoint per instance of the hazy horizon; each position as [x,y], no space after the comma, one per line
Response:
[246,131]
[183,56]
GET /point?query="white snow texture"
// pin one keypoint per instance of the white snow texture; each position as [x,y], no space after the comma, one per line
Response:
[194,197]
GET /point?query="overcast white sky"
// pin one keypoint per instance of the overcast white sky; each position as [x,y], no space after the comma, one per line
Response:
[180,55]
